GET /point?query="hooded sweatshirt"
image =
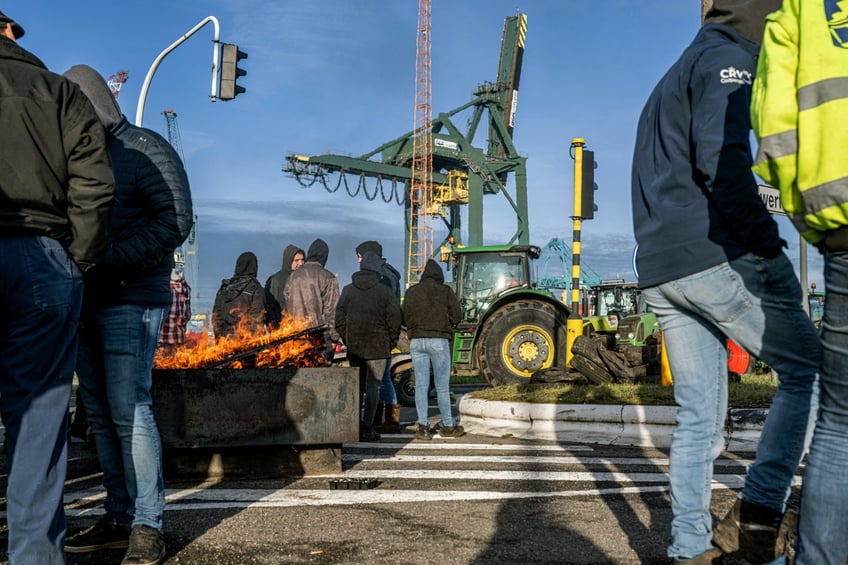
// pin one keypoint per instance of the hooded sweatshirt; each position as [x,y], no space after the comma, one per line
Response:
[312,291]
[695,200]
[275,299]
[152,214]
[240,296]
[430,308]
[368,314]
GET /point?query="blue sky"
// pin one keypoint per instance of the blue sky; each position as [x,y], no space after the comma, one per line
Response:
[338,76]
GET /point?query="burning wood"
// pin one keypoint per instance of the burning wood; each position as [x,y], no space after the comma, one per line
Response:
[293,343]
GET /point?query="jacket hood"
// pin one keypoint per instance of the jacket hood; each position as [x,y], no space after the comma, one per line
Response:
[371,262]
[246,265]
[288,256]
[98,92]
[433,271]
[747,17]
[365,279]
[318,252]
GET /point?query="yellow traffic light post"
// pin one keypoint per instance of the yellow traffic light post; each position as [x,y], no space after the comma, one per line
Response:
[574,324]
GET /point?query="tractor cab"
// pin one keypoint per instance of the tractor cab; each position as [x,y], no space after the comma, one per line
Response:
[483,276]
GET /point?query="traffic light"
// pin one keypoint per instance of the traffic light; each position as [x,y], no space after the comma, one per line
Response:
[587,195]
[230,72]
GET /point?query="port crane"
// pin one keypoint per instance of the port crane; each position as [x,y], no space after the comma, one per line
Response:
[461,173]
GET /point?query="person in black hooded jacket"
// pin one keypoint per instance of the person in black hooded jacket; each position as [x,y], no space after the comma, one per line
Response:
[368,320]
[430,313]
[239,297]
[127,294]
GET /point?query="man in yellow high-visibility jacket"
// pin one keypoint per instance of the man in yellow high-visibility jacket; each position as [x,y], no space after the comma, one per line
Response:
[800,116]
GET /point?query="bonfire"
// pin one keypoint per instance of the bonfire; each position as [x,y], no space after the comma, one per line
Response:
[292,343]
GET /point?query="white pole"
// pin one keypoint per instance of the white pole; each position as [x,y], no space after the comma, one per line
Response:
[139,113]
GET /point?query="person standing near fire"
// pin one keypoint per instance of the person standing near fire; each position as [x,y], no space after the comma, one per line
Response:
[275,286]
[57,189]
[312,293]
[368,319]
[126,297]
[239,299]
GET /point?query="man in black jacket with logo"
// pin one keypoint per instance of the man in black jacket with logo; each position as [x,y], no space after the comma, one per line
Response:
[57,190]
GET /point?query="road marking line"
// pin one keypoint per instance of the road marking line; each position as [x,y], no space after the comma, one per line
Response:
[448,445]
[390,458]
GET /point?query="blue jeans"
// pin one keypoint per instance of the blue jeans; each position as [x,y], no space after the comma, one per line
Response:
[40,298]
[823,521]
[388,394]
[757,303]
[427,351]
[117,345]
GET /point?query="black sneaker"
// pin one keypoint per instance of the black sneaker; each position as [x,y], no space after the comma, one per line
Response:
[105,534]
[147,547]
[423,432]
[453,431]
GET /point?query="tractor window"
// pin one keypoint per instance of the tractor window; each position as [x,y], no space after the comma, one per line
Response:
[484,276]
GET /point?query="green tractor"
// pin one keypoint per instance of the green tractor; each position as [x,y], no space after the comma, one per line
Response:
[510,328]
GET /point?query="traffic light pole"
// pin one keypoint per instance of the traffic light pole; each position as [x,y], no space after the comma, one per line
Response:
[139,113]
[574,324]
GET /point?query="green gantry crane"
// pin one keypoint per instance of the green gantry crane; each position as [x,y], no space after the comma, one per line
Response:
[462,173]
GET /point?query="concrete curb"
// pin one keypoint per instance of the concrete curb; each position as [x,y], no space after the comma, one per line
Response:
[645,426]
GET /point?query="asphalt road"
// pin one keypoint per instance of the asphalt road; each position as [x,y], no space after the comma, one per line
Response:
[474,500]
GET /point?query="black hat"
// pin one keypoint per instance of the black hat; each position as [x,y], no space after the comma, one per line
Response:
[17,30]
[370,245]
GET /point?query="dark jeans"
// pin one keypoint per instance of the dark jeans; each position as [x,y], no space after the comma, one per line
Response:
[40,299]
[370,376]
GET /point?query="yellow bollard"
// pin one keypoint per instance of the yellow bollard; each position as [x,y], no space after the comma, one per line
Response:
[665,369]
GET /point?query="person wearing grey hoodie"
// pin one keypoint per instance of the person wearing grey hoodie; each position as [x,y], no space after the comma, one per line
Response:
[312,293]
[126,297]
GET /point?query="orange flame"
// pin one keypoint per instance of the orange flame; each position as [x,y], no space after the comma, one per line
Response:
[301,352]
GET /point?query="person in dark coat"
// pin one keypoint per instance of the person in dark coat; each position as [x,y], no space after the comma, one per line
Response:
[275,299]
[430,313]
[387,416]
[368,318]
[312,293]
[239,297]
[127,294]
[57,191]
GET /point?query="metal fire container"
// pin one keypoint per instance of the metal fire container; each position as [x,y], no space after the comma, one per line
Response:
[229,408]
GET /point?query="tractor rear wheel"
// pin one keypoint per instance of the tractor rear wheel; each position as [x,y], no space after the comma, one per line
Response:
[521,338]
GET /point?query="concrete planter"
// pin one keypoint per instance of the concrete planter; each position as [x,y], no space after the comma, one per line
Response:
[647,426]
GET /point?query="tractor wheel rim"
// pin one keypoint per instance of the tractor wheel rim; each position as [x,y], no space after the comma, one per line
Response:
[527,349]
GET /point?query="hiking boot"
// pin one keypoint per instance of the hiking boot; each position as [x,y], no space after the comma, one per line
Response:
[368,435]
[452,431]
[423,432]
[786,535]
[105,534]
[756,543]
[392,420]
[147,547]
[709,557]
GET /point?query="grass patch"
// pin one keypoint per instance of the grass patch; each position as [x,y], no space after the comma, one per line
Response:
[755,391]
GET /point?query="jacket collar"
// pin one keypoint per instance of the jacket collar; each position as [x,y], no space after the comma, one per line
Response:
[11,50]
[711,31]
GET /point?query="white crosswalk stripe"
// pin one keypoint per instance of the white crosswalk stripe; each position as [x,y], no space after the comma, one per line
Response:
[450,470]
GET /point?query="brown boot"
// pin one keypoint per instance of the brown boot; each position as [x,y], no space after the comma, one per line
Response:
[392,425]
